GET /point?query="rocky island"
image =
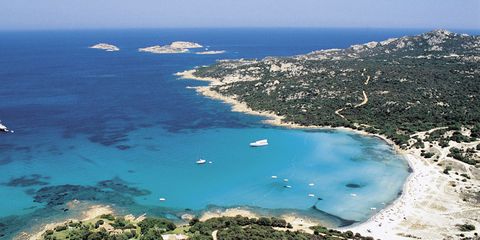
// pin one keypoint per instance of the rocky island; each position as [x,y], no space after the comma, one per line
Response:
[174,47]
[419,93]
[106,47]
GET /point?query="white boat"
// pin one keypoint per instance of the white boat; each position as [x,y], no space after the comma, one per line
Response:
[201,161]
[274,177]
[162,199]
[3,128]
[288,186]
[311,195]
[259,143]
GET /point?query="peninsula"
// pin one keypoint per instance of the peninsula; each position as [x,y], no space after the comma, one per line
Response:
[174,47]
[101,222]
[419,93]
[106,47]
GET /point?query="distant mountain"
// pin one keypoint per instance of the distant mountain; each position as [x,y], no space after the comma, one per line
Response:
[438,43]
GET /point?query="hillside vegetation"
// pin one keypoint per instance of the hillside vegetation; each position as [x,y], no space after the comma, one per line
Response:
[110,227]
[396,87]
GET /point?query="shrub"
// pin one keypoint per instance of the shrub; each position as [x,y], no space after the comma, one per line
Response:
[99,223]
[60,228]
[427,154]
[447,169]
[107,216]
[152,234]
[163,225]
[466,227]
[263,221]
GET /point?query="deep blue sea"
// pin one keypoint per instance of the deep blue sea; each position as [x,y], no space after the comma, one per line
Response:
[119,128]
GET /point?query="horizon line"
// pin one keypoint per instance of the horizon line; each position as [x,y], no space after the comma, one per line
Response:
[234,27]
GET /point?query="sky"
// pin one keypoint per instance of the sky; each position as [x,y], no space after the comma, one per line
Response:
[100,14]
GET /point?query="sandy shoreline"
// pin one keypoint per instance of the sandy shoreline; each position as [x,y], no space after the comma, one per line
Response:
[273,119]
[424,209]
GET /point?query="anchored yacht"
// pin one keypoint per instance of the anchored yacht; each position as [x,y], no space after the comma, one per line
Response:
[259,143]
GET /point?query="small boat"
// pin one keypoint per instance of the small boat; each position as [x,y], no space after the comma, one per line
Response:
[3,128]
[311,184]
[259,143]
[274,177]
[353,194]
[285,180]
[288,186]
[162,199]
[201,161]
[373,208]
[311,195]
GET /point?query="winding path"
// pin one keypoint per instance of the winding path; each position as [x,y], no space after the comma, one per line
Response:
[339,114]
[365,101]
[368,79]
[214,234]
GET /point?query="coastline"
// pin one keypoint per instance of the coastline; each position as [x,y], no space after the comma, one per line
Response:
[419,212]
[90,213]
[272,118]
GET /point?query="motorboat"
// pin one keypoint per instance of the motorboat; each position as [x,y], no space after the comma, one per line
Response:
[3,128]
[259,143]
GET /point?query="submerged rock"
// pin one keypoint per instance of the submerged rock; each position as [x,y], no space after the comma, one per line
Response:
[353,185]
[121,186]
[28,181]
[114,191]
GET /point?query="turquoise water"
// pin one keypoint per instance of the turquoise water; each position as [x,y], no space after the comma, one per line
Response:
[119,128]
[164,163]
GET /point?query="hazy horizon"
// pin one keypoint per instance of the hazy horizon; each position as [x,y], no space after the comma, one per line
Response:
[148,14]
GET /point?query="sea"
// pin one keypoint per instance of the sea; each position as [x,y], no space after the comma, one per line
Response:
[119,128]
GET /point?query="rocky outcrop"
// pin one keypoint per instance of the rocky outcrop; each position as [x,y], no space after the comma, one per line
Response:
[106,47]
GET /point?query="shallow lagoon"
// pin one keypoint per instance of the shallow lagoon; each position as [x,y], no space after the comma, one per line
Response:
[120,128]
